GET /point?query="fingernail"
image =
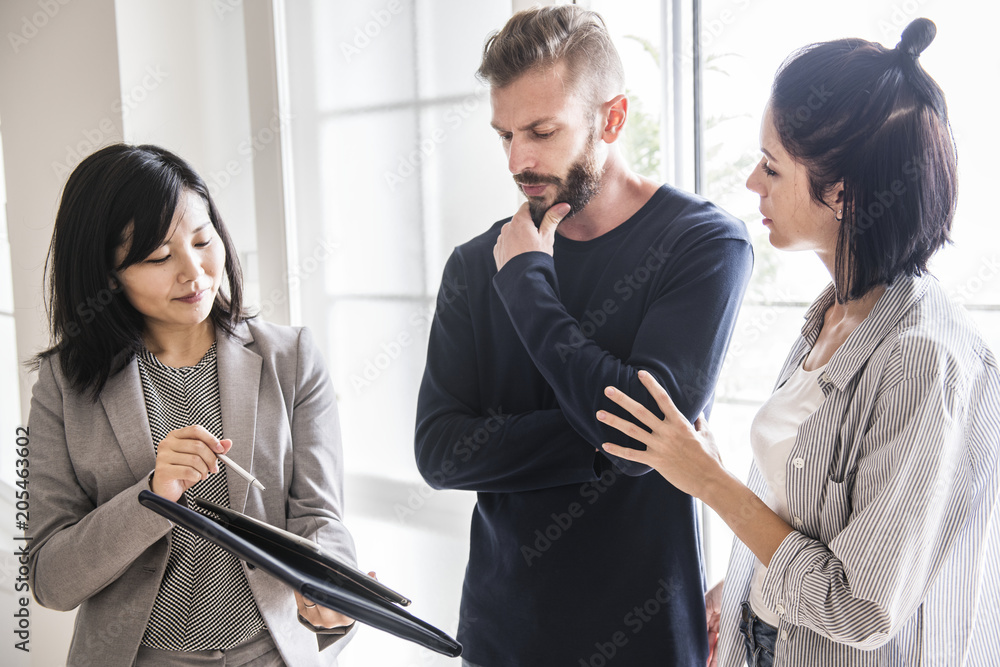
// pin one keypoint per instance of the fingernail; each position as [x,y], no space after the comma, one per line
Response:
[601,414]
[218,446]
[610,391]
[563,210]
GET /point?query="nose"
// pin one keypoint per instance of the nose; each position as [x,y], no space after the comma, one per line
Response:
[520,156]
[755,183]
[190,268]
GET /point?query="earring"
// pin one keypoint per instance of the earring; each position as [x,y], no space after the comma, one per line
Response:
[840,215]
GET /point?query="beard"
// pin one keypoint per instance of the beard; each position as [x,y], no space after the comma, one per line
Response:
[582,183]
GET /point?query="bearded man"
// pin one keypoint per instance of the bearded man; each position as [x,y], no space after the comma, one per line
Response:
[575,558]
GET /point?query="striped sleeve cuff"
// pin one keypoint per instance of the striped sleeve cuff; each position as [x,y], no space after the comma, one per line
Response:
[785,582]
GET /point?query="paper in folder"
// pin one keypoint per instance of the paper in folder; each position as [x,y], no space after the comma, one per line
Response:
[303,565]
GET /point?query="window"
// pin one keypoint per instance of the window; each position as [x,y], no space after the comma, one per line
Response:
[395,164]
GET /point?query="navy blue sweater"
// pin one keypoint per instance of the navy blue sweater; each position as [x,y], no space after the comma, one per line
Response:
[576,559]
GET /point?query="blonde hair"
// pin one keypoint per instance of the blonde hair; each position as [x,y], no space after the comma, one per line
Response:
[541,37]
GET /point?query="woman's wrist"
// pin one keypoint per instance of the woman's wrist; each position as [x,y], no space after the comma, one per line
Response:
[720,490]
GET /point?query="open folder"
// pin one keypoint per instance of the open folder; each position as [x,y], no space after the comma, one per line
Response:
[304,566]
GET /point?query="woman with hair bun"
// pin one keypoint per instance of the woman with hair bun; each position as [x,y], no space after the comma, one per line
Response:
[867,533]
[156,369]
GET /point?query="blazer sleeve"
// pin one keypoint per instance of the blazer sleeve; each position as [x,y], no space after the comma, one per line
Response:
[77,547]
[315,495]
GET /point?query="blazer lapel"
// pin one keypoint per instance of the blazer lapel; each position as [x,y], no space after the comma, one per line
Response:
[239,382]
[125,406]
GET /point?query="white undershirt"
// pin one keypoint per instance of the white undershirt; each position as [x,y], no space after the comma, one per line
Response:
[772,436]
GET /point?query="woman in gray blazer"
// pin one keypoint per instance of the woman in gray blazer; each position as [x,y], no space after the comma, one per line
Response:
[155,369]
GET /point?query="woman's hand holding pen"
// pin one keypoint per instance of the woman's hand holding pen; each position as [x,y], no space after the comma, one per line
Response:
[184,458]
[685,455]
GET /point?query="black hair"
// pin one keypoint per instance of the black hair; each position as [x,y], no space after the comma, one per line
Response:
[870,117]
[119,193]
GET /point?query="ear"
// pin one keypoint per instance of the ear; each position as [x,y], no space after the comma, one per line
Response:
[835,198]
[615,113]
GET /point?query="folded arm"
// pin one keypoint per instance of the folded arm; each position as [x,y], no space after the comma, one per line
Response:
[681,340]
[462,443]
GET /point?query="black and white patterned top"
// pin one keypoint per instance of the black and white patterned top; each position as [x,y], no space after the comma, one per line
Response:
[205,602]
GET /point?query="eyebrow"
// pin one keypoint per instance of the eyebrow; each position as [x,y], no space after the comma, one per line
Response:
[530,126]
[768,154]
[203,225]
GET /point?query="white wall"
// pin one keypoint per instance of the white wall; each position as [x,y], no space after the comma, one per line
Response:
[60,83]
[76,76]
[184,87]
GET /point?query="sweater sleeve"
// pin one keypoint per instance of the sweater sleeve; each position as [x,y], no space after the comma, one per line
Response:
[462,443]
[681,340]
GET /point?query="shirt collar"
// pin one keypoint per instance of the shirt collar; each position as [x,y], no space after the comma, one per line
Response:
[851,357]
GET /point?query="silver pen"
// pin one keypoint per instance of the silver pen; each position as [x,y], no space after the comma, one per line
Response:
[241,472]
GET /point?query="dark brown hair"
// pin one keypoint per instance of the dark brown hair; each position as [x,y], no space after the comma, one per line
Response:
[119,190]
[539,38]
[856,112]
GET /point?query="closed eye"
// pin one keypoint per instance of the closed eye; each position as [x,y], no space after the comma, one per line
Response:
[767,170]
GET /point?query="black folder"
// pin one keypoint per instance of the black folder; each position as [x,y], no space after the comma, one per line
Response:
[303,565]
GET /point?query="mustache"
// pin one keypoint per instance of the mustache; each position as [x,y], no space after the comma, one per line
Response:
[532,178]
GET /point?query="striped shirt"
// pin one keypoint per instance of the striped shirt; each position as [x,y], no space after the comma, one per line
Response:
[893,485]
[205,602]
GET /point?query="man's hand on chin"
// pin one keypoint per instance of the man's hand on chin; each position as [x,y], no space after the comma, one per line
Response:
[520,234]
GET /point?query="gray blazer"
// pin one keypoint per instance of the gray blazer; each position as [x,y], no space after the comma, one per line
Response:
[94,546]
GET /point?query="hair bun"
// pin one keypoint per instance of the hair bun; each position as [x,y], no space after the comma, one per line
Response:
[917,36]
